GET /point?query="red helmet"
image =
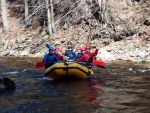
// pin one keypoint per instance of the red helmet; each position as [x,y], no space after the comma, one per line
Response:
[60,49]
[88,47]
[83,49]
[56,49]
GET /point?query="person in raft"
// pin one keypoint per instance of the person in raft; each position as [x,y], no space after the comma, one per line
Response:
[50,58]
[58,53]
[79,52]
[70,52]
[91,54]
[87,56]
[84,59]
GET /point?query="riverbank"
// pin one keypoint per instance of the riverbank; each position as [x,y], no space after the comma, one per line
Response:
[135,50]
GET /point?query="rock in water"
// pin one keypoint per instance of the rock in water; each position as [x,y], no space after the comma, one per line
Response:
[8,83]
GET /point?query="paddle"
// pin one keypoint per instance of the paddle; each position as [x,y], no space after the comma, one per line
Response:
[98,63]
[48,46]
[40,64]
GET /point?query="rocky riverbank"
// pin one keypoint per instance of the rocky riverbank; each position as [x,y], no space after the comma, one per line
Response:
[134,50]
[129,50]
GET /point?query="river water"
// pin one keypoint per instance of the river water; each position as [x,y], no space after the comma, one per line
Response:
[120,88]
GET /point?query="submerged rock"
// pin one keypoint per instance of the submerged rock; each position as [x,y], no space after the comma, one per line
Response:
[7,83]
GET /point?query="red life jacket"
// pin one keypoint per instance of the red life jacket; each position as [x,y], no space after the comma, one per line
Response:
[84,58]
[87,57]
[60,57]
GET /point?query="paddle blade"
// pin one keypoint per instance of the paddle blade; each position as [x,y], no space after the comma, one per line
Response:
[48,46]
[40,64]
[98,63]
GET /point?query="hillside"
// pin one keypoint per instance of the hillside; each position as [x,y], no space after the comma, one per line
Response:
[122,33]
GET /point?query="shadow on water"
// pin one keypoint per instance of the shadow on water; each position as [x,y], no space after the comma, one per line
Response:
[121,88]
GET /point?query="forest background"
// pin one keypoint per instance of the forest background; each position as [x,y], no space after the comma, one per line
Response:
[120,28]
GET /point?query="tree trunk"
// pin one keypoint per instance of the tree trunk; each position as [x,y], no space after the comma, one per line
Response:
[4,16]
[83,7]
[103,10]
[26,12]
[50,16]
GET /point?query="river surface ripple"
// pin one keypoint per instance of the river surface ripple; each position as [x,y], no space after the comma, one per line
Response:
[120,88]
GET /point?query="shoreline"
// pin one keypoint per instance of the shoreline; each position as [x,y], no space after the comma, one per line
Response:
[119,62]
[133,49]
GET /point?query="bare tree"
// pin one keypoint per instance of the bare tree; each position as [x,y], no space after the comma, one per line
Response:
[4,15]
[26,12]
[103,10]
[83,7]
[50,16]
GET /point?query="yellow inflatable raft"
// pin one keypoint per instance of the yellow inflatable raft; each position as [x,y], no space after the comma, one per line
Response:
[67,69]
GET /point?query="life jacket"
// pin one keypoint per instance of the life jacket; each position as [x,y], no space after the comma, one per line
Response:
[90,57]
[84,58]
[50,58]
[69,53]
[60,57]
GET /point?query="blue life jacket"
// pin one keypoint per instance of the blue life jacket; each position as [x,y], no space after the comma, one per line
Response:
[50,58]
[69,53]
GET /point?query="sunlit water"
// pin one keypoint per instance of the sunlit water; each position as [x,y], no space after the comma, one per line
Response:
[120,88]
